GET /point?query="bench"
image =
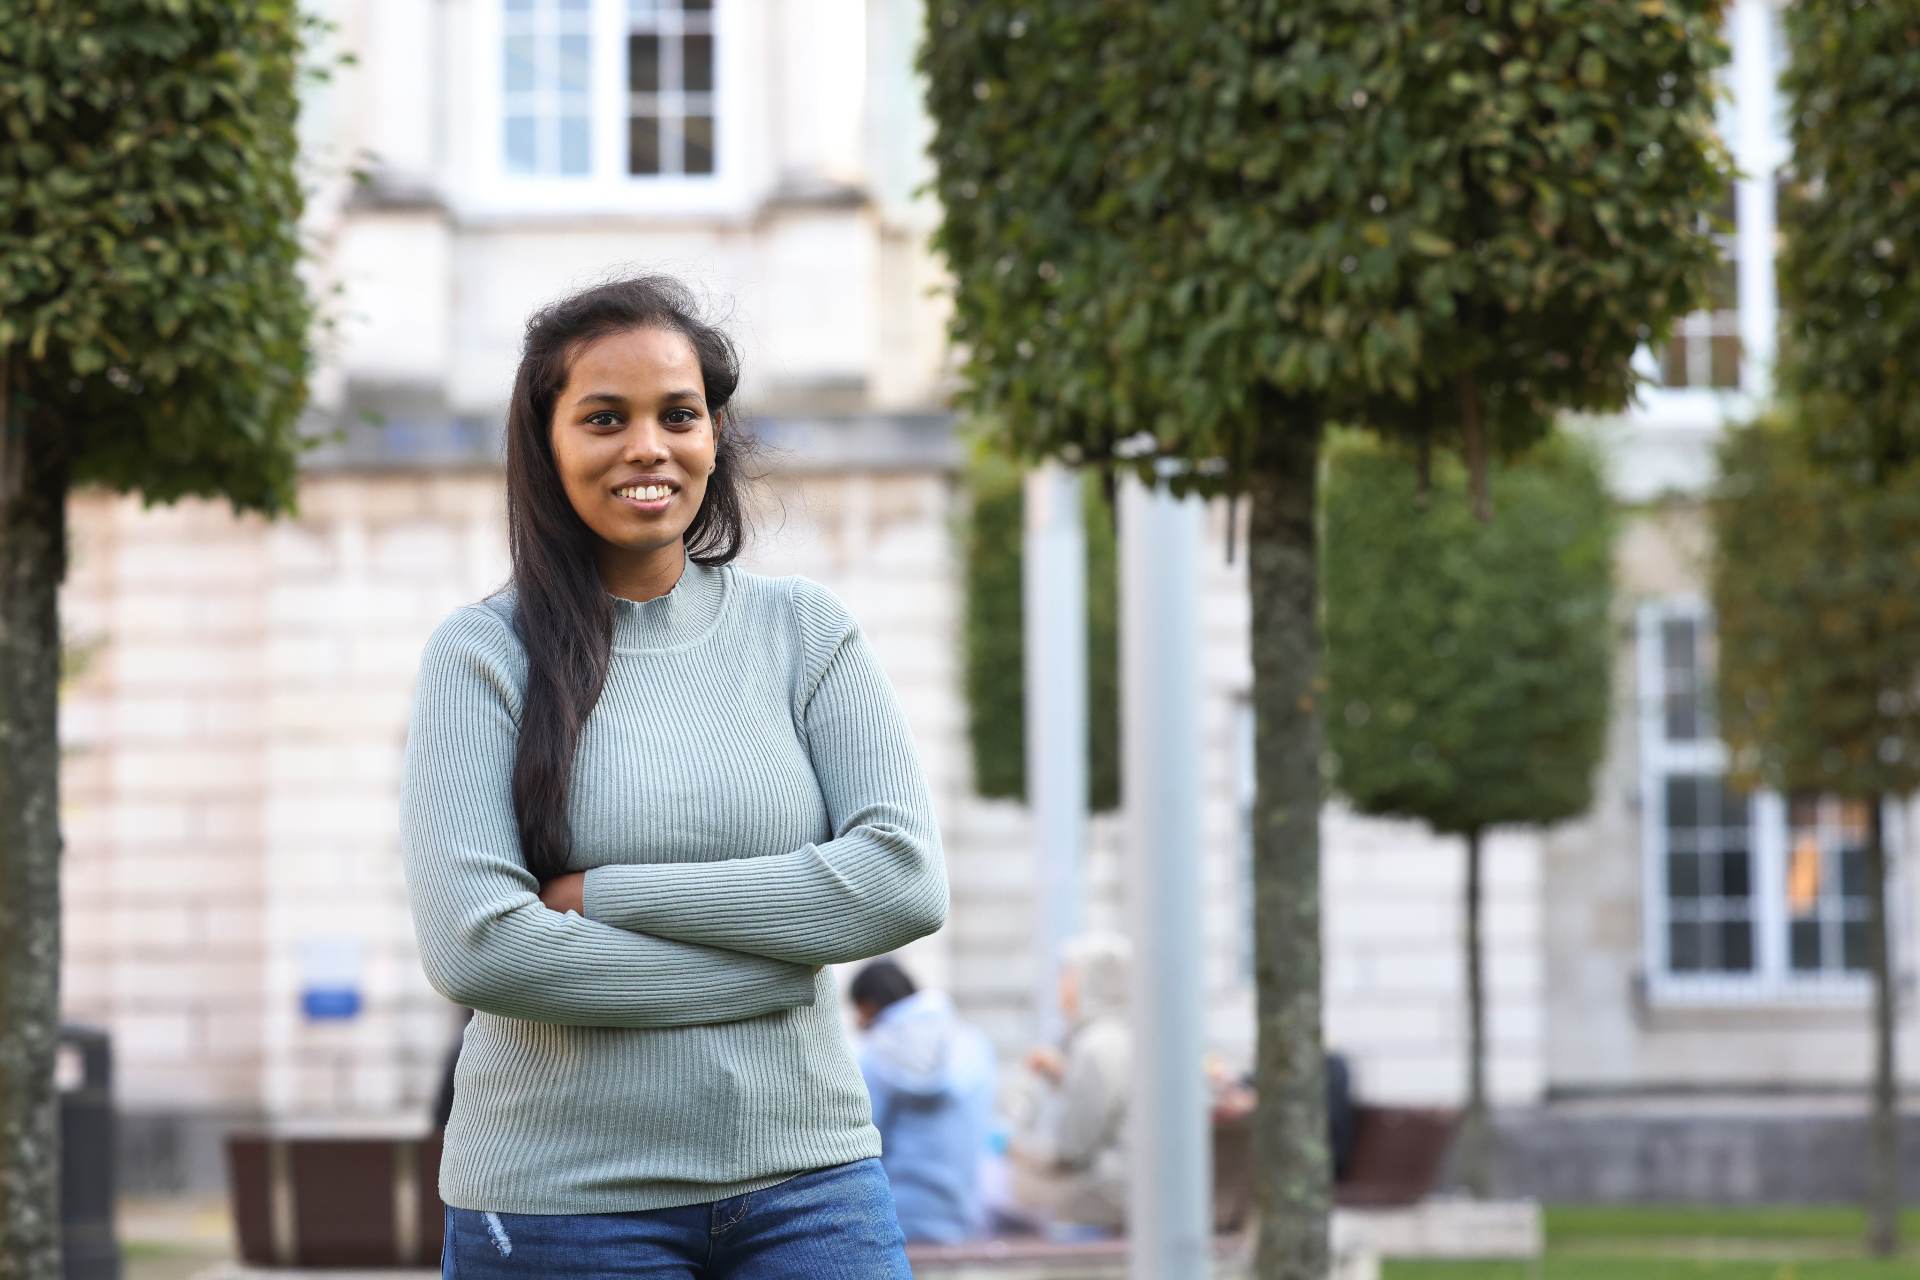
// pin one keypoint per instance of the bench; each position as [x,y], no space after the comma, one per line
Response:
[370,1201]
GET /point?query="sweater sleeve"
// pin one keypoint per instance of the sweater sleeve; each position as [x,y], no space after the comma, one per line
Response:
[486,940]
[878,884]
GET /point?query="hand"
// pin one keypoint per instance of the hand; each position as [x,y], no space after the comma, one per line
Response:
[1046,1063]
[566,892]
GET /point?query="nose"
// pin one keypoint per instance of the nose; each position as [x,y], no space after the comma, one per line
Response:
[645,442]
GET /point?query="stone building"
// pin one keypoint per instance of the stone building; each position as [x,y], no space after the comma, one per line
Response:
[234,907]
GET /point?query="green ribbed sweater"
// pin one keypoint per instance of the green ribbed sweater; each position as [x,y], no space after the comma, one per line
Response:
[747,804]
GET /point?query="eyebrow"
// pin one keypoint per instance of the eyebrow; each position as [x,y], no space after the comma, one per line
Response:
[614,397]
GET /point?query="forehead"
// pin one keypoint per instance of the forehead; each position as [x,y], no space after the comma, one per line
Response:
[635,359]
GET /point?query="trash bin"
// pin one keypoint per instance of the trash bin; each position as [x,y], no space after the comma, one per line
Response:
[84,1075]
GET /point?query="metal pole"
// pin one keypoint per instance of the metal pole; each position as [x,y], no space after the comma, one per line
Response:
[1170,1222]
[1054,614]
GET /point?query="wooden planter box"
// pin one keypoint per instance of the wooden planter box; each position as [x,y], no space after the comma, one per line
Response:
[335,1201]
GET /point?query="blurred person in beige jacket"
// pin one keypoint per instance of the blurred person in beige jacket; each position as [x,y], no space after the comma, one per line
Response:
[1067,1150]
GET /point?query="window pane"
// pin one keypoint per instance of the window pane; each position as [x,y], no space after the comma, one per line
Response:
[517,74]
[1805,945]
[1673,363]
[1853,944]
[1683,948]
[1736,877]
[521,156]
[1683,800]
[1853,872]
[643,64]
[575,152]
[696,52]
[1680,658]
[519,6]
[574,62]
[1724,353]
[1736,946]
[574,6]
[699,142]
[1683,717]
[643,144]
[1683,875]
[1723,289]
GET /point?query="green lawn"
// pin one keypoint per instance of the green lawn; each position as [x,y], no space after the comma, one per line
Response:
[1575,1268]
[1570,1226]
[1632,1243]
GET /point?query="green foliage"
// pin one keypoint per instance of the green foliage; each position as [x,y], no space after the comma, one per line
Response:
[1816,597]
[1467,663]
[1207,224]
[150,306]
[995,657]
[1850,267]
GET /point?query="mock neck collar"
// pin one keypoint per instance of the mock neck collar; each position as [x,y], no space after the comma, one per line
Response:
[686,613]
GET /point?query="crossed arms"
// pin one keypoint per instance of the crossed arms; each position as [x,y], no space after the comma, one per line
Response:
[668,945]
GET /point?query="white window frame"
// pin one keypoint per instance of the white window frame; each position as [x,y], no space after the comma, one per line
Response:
[1772,980]
[1752,124]
[608,188]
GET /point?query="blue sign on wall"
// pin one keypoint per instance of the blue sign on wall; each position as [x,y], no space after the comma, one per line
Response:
[322,1004]
[330,971]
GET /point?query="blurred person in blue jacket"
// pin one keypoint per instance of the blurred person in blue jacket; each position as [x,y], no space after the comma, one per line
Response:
[931,1078]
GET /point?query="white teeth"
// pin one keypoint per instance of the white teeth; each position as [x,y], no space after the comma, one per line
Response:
[646,492]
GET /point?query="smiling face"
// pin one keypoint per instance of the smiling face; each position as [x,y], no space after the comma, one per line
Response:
[634,444]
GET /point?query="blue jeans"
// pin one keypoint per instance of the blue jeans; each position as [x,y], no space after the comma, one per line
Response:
[831,1224]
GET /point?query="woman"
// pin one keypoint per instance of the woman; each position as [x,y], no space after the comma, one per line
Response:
[647,795]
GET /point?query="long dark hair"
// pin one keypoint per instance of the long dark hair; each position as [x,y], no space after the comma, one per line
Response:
[562,613]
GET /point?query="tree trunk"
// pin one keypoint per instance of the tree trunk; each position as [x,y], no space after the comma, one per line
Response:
[1883,1165]
[1292,1169]
[1476,1137]
[1473,439]
[33,490]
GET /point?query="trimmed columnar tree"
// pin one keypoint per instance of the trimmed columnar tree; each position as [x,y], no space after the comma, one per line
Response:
[1850,265]
[996,639]
[153,339]
[1850,295]
[1467,665]
[1185,233]
[1816,596]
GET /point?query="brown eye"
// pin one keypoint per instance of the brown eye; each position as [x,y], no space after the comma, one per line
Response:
[613,419]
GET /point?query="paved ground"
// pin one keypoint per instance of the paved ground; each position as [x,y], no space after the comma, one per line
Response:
[169,1239]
